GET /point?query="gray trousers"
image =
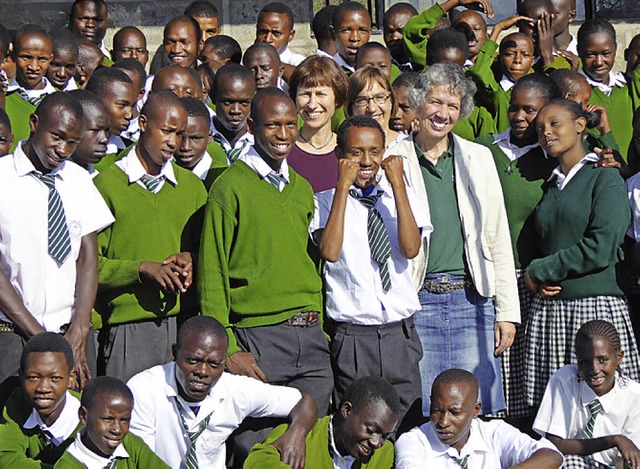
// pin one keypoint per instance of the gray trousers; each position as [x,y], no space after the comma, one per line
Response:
[127,349]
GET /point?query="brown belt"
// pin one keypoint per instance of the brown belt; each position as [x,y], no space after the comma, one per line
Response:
[445,284]
[6,327]
[308,318]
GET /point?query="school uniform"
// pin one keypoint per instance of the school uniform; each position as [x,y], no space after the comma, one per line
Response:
[580,221]
[115,144]
[46,286]
[160,415]
[348,69]
[415,37]
[372,324]
[139,320]
[491,445]
[27,441]
[522,172]
[235,151]
[479,122]
[322,452]
[291,58]
[565,410]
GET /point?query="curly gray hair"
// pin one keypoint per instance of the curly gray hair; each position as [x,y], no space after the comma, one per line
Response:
[449,75]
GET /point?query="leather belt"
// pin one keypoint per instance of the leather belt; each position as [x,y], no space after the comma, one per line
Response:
[308,318]
[445,284]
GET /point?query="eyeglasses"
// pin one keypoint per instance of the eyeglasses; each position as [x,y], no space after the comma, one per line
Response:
[362,101]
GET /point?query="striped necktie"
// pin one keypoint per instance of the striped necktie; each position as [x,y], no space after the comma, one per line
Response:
[113,464]
[192,459]
[59,242]
[274,180]
[34,101]
[232,153]
[151,183]
[46,438]
[594,408]
[462,462]
[377,236]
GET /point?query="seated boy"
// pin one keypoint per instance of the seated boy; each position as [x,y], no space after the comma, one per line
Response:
[192,153]
[220,50]
[40,418]
[207,16]
[48,256]
[456,438]
[92,147]
[62,69]
[374,309]
[90,59]
[143,274]
[263,61]
[6,136]
[338,440]
[186,409]
[275,26]
[351,29]
[395,18]
[118,94]
[105,441]
[88,20]
[32,53]
[130,43]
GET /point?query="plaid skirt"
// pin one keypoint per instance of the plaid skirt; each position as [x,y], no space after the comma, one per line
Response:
[513,359]
[551,329]
[580,462]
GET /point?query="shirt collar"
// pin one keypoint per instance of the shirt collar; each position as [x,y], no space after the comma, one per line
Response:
[245,136]
[34,93]
[615,80]
[24,166]
[512,151]
[609,401]
[561,177]
[506,83]
[202,167]
[475,443]
[335,454]
[71,85]
[134,170]
[448,153]
[64,425]
[90,459]
[343,63]
[115,144]
[260,166]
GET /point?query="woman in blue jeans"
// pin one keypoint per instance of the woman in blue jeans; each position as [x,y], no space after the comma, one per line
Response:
[469,295]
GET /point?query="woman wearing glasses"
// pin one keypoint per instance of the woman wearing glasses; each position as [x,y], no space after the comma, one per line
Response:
[469,296]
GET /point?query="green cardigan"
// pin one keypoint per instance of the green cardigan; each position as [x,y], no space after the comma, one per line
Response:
[581,230]
[265,456]
[140,456]
[415,38]
[20,447]
[478,123]
[148,227]
[19,112]
[522,181]
[254,269]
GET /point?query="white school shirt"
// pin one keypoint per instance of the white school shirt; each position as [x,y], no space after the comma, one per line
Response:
[47,289]
[339,461]
[506,84]
[226,145]
[48,88]
[513,152]
[353,285]
[64,425]
[156,420]
[255,162]
[291,58]
[491,445]
[115,144]
[322,53]
[91,460]
[201,168]
[71,85]
[343,63]
[564,410]
[132,167]
[633,188]
[615,79]
[562,180]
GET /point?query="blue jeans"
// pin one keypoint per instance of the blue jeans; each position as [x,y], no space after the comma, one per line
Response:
[457,331]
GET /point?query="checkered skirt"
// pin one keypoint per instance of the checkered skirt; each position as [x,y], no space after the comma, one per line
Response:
[550,332]
[580,462]
[513,359]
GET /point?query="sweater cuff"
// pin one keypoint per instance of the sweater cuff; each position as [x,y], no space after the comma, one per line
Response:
[233,345]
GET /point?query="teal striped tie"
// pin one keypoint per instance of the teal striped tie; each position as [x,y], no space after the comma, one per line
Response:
[33,101]
[151,183]
[112,464]
[594,408]
[462,462]
[192,458]
[59,242]
[274,180]
[233,153]
[377,236]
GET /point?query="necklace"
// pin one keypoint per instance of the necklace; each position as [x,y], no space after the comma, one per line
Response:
[314,146]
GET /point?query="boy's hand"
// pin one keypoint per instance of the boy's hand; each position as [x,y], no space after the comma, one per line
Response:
[545,37]
[629,451]
[243,363]
[506,24]
[185,262]
[605,126]
[168,277]
[572,58]
[292,448]
[483,6]
[347,172]
[392,166]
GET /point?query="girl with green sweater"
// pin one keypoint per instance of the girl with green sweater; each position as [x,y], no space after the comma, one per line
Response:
[580,222]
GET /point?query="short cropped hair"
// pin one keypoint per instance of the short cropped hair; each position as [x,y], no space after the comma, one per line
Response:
[195,107]
[132,65]
[201,9]
[30,30]
[157,98]
[360,122]
[279,8]
[103,77]
[188,20]
[371,389]
[348,7]
[49,106]
[456,376]
[63,39]
[226,47]
[449,75]
[232,70]
[447,38]
[322,21]
[4,119]
[205,325]
[47,342]
[315,71]
[107,385]
[263,94]
[88,99]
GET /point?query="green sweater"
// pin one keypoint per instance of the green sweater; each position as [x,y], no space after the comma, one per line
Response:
[522,182]
[415,38]
[620,105]
[148,227]
[140,456]
[478,123]
[23,448]
[265,456]
[254,269]
[19,112]
[581,230]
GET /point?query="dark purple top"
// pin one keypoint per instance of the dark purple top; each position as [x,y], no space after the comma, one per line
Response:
[321,171]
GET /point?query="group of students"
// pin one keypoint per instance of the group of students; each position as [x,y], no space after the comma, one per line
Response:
[353,243]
